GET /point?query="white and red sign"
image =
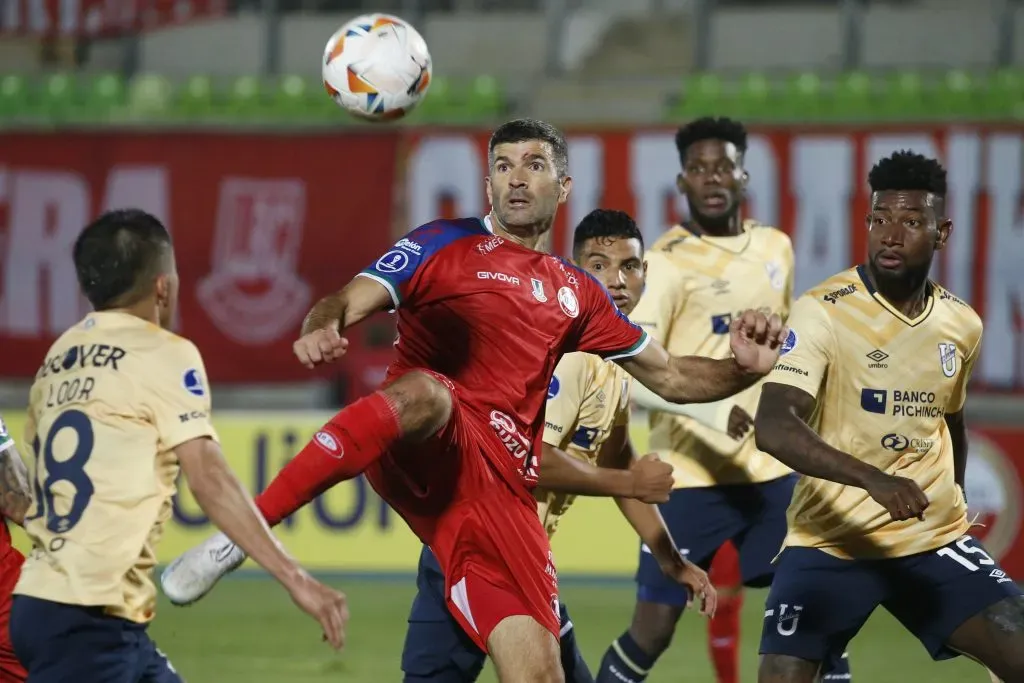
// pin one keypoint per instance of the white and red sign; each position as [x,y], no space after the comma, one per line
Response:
[99,17]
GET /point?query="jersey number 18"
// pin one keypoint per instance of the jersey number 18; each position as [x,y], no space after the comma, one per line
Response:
[70,470]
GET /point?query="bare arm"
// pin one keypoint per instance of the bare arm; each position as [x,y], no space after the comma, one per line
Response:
[781,430]
[230,507]
[15,494]
[561,472]
[645,518]
[360,299]
[714,415]
[687,379]
[958,435]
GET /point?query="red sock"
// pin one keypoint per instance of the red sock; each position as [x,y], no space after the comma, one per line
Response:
[349,443]
[723,638]
[724,628]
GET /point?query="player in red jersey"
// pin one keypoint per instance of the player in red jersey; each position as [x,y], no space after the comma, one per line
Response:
[14,501]
[452,440]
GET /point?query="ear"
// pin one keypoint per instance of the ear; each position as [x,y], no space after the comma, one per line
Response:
[566,188]
[681,183]
[162,289]
[487,190]
[945,230]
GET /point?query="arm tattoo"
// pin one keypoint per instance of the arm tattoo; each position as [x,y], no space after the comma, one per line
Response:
[14,489]
[781,430]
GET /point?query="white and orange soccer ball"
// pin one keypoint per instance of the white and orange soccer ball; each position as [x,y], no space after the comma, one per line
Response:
[377,67]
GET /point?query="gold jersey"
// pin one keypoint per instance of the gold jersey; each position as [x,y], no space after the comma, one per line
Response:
[587,398]
[696,284]
[112,399]
[883,384]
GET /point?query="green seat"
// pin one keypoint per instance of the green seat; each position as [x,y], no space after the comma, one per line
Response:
[103,97]
[246,98]
[484,98]
[852,97]
[957,96]
[291,96]
[804,98]
[1003,94]
[904,97]
[58,97]
[753,100]
[195,99]
[15,97]
[149,97]
[702,95]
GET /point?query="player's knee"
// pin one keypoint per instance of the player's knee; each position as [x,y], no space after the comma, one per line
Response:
[525,652]
[653,626]
[786,669]
[424,403]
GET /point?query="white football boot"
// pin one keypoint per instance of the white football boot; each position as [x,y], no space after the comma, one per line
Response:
[193,573]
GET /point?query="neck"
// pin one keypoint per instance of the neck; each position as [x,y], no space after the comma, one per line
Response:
[144,310]
[726,226]
[907,294]
[536,236]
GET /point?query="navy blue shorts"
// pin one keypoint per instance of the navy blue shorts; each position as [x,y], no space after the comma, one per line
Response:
[818,602]
[436,648]
[59,643]
[701,520]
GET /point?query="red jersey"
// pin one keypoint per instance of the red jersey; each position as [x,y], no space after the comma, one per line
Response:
[496,317]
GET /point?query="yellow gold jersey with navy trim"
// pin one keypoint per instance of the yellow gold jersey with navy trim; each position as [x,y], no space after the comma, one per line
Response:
[114,397]
[587,398]
[883,384]
[696,284]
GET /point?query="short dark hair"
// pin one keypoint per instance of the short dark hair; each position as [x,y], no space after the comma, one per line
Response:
[605,223]
[117,254]
[521,130]
[907,170]
[711,128]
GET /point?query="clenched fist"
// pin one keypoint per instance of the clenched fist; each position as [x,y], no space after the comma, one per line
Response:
[652,479]
[325,345]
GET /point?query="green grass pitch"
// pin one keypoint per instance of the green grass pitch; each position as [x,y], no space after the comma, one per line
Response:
[247,631]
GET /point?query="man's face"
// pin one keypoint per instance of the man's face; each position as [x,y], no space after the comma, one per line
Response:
[618,263]
[712,179]
[905,228]
[524,187]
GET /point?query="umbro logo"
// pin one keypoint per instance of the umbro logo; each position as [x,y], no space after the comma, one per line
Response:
[878,358]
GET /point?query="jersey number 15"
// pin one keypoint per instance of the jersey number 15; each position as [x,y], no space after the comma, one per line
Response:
[70,470]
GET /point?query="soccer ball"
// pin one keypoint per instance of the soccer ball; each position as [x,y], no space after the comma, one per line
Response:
[377,67]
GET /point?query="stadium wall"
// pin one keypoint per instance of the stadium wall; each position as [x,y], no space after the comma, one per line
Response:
[350,530]
[265,223]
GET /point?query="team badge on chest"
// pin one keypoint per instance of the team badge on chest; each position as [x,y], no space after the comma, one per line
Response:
[947,358]
[776,275]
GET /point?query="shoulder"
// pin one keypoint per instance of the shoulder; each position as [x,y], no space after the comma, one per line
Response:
[768,236]
[958,310]
[673,239]
[837,288]
[435,235]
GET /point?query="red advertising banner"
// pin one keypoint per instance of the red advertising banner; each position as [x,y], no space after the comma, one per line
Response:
[995,470]
[263,226]
[99,17]
[266,223]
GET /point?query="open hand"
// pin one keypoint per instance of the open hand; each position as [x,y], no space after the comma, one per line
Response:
[901,497]
[755,341]
[696,580]
[652,479]
[325,345]
[740,423]
[327,606]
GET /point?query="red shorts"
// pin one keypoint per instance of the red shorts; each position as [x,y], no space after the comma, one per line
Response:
[10,570]
[486,534]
